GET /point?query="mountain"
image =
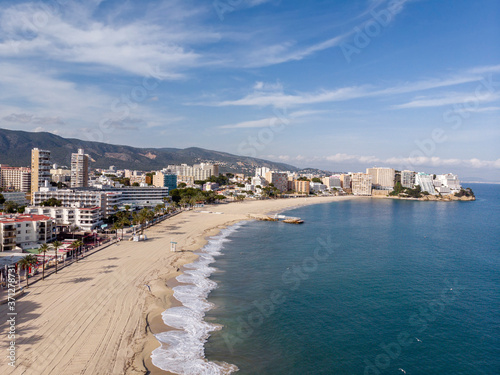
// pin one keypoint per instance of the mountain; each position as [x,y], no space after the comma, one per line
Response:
[15,150]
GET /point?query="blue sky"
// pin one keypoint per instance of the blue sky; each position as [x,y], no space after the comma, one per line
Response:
[339,85]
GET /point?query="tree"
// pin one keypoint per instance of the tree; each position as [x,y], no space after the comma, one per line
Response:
[25,264]
[2,199]
[10,207]
[42,250]
[51,202]
[75,245]
[181,185]
[116,226]
[316,179]
[56,245]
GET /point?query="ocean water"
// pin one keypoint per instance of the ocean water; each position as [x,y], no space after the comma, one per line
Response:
[363,287]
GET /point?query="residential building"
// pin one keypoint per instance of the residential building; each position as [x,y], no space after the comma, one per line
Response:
[278,179]
[261,172]
[61,175]
[447,183]
[197,172]
[106,200]
[301,187]
[317,187]
[25,231]
[79,169]
[332,182]
[15,179]
[361,184]
[259,181]
[425,181]
[382,178]
[345,181]
[408,179]
[161,179]
[40,169]
[15,196]
[210,186]
[85,218]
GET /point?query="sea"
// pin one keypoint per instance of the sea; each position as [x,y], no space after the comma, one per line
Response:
[364,286]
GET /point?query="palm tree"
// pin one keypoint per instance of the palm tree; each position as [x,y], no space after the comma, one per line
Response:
[116,226]
[25,263]
[75,246]
[56,245]
[73,229]
[43,249]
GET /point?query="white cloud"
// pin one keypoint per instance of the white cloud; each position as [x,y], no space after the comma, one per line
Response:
[449,99]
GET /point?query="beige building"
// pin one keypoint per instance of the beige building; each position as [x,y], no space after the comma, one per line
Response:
[302,187]
[198,172]
[40,169]
[79,169]
[25,231]
[361,184]
[61,175]
[15,179]
[345,181]
[382,178]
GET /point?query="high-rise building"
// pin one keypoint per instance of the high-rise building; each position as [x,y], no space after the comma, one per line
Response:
[261,172]
[382,178]
[345,180]
[169,181]
[361,184]
[40,169]
[278,179]
[79,169]
[300,186]
[15,179]
[408,179]
[332,182]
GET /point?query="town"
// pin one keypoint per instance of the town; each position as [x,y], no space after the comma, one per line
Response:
[77,208]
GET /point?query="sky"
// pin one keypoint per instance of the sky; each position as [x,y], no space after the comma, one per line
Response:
[339,85]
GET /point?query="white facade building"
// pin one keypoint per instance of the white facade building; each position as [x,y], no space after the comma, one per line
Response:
[25,231]
[425,181]
[382,178]
[361,184]
[447,183]
[88,218]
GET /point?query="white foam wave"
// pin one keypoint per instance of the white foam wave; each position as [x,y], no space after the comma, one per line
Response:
[182,350]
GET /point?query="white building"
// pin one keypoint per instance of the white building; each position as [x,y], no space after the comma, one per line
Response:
[88,218]
[261,172]
[361,184]
[25,231]
[408,179]
[317,187]
[447,183]
[259,181]
[425,181]
[40,168]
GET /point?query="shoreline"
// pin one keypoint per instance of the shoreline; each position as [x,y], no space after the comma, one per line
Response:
[151,343]
[98,315]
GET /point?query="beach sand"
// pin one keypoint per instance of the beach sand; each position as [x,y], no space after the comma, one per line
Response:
[99,316]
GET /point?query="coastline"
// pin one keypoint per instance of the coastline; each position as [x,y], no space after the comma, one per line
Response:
[143,356]
[98,316]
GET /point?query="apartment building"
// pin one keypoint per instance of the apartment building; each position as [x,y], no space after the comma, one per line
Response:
[40,169]
[161,179]
[345,181]
[85,218]
[425,181]
[25,231]
[332,182]
[361,184]
[278,179]
[382,178]
[301,187]
[15,179]
[79,169]
[408,179]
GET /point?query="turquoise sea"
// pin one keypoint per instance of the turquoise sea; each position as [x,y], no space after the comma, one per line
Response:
[363,287]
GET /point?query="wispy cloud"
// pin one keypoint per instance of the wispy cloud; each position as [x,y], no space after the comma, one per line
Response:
[448,100]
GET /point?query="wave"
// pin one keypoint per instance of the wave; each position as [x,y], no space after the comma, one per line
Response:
[183,350]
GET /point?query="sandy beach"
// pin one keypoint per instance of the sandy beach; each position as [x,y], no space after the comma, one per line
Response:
[99,316]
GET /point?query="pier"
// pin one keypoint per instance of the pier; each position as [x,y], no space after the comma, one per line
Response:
[277,217]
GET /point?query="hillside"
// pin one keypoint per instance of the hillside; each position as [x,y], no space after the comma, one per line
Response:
[15,150]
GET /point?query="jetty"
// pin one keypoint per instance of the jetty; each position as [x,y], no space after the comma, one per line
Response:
[277,217]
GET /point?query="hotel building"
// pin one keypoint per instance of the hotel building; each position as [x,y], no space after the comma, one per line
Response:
[40,169]
[382,178]
[79,169]
[361,184]
[15,179]
[25,231]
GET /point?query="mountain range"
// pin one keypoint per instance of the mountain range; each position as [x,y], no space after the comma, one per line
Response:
[15,150]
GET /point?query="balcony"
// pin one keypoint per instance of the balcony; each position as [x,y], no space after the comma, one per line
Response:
[9,234]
